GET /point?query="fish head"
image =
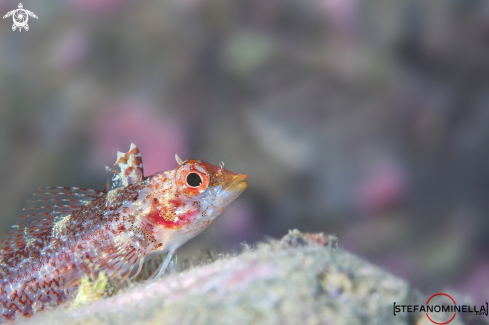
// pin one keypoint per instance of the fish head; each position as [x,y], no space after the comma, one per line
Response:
[213,187]
[197,194]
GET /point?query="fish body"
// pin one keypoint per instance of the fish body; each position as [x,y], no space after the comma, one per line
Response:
[74,231]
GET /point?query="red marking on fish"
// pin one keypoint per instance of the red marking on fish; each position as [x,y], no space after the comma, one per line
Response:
[164,215]
[43,259]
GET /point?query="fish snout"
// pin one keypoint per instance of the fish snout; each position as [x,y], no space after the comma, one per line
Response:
[238,183]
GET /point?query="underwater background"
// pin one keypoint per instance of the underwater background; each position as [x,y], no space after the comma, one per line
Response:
[364,119]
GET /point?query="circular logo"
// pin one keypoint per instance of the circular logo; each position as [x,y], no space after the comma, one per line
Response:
[441,294]
[20,17]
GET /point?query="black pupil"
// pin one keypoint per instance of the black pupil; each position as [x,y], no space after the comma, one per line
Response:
[194,180]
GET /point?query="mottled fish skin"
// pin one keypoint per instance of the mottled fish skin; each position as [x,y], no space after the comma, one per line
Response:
[71,232]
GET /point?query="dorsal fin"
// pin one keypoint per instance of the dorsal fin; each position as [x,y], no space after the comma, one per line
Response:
[68,191]
[51,204]
[114,180]
[131,169]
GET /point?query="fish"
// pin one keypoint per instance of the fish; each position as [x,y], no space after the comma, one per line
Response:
[69,232]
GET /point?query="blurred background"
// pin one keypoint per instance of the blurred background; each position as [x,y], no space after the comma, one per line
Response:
[364,119]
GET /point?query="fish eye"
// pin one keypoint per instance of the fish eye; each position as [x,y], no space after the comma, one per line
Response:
[194,180]
[192,177]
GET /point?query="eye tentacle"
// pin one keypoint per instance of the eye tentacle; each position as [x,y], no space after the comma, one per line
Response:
[179,161]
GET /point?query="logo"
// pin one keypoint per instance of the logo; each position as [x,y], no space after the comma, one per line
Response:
[20,17]
[445,310]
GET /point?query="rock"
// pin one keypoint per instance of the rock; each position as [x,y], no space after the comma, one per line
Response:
[300,279]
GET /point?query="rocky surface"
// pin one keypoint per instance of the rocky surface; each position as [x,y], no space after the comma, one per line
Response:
[300,279]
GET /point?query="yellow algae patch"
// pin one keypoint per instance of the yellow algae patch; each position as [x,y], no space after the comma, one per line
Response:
[91,290]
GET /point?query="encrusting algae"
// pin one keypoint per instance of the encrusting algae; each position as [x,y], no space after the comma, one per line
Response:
[91,290]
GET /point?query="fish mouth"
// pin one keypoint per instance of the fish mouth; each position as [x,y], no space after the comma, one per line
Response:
[234,186]
[237,184]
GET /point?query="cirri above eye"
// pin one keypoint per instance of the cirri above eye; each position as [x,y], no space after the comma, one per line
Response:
[194,180]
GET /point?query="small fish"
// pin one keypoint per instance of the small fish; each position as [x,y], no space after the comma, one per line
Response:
[70,232]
